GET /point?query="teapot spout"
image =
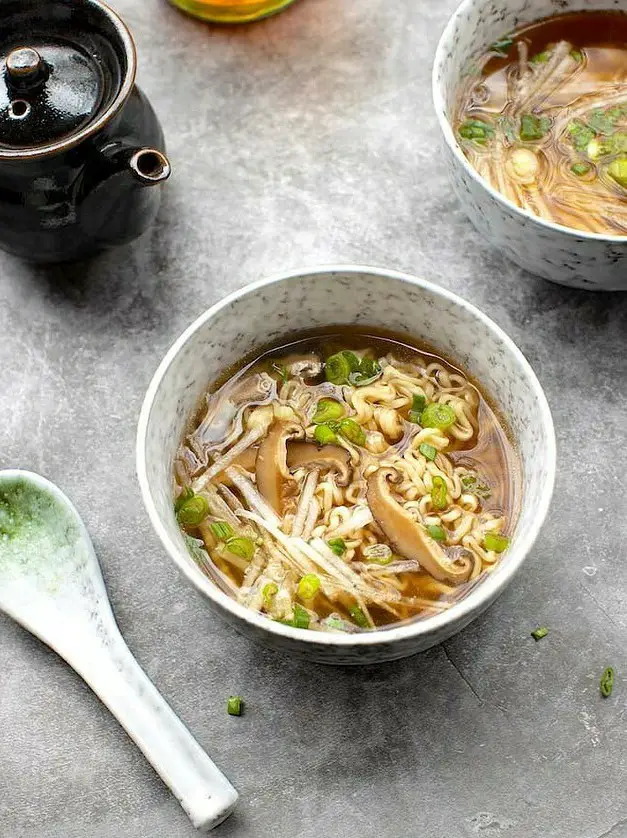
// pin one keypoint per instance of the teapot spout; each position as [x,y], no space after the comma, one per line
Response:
[149,166]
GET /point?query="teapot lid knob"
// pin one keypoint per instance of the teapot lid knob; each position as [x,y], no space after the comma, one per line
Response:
[24,65]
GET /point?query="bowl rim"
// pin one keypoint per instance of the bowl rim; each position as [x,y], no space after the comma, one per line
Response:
[446,45]
[474,602]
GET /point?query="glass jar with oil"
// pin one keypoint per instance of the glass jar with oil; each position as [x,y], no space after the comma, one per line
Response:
[232,11]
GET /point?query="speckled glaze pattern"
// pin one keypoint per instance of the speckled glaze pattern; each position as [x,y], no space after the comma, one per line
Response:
[569,257]
[261,314]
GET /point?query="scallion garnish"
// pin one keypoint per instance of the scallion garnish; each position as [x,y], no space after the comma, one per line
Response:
[235,705]
[607,682]
[437,415]
[438,492]
[539,633]
[351,431]
[280,370]
[221,530]
[533,127]
[418,404]
[436,532]
[241,546]
[327,410]
[369,370]
[325,435]
[309,586]
[476,130]
[580,169]
[358,616]
[337,545]
[185,495]
[270,590]
[338,367]
[301,617]
[502,45]
[428,451]
[192,511]
[495,543]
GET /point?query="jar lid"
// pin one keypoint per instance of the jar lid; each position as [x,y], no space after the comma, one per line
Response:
[64,65]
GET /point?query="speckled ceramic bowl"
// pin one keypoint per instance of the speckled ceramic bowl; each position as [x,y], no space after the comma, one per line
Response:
[570,257]
[260,314]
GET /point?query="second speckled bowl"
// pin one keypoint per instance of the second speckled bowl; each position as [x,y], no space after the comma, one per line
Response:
[262,314]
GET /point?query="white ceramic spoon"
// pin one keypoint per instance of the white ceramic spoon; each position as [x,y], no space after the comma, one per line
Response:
[50,582]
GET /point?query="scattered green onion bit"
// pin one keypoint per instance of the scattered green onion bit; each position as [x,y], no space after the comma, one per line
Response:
[339,366]
[477,130]
[601,122]
[494,542]
[539,633]
[473,485]
[617,170]
[327,410]
[270,590]
[221,530]
[192,511]
[369,370]
[308,586]
[540,57]
[436,532]
[430,452]
[438,492]
[607,682]
[533,127]
[418,404]
[580,169]
[241,546]
[235,705]
[577,55]
[580,134]
[325,435]
[437,415]
[351,431]
[502,45]
[186,494]
[358,616]
[301,617]
[338,546]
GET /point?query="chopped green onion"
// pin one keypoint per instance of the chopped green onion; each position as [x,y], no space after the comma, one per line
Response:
[539,633]
[235,705]
[280,370]
[327,410]
[533,127]
[418,402]
[308,586]
[373,558]
[358,616]
[301,617]
[242,547]
[601,122]
[186,494]
[477,130]
[221,530]
[335,623]
[576,55]
[436,532]
[339,366]
[369,370]
[353,432]
[270,590]
[580,134]
[438,492]
[617,170]
[607,682]
[495,543]
[437,415]
[192,511]
[325,435]
[476,487]
[338,546]
[540,57]
[428,451]
[580,169]
[502,45]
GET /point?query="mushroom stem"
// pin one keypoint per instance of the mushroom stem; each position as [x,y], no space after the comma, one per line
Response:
[409,537]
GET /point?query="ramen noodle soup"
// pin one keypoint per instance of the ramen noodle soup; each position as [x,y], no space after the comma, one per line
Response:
[543,117]
[346,482]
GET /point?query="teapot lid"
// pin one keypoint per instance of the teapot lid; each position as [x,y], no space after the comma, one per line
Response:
[66,67]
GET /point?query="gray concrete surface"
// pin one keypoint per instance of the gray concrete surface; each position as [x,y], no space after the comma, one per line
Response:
[309,138]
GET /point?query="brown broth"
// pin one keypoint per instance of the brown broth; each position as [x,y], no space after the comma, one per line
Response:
[489,452]
[568,168]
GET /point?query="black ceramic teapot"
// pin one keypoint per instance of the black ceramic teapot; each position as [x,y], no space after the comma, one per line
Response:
[81,149]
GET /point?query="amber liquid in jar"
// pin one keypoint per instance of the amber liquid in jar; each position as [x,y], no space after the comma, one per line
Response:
[232,11]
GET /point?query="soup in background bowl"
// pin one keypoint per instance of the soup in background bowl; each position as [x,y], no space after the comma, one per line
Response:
[532,105]
[355,486]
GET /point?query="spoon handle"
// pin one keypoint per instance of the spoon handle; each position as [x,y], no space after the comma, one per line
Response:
[117,679]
